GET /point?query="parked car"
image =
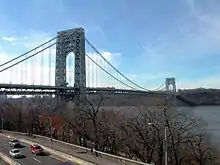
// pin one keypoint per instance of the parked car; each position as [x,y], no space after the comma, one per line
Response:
[14,143]
[15,153]
[36,149]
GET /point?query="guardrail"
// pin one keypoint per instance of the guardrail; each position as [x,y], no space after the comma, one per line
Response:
[8,159]
[114,157]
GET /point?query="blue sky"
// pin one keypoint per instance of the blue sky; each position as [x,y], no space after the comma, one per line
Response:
[155,39]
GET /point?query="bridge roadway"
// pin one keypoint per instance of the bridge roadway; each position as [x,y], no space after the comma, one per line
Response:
[76,152]
[29,158]
[22,89]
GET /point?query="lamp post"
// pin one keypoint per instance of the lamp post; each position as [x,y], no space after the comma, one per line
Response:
[51,132]
[164,143]
[50,122]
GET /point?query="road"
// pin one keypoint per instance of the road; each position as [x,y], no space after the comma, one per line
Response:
[29,158]
[76,152]
[2,162]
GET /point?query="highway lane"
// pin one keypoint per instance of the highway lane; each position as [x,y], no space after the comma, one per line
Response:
[76,152]
[29,158]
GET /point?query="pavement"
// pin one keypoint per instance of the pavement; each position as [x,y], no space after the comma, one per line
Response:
[29,158]
[76,152]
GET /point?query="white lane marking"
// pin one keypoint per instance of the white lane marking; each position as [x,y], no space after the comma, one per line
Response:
[53,156]
[36,160]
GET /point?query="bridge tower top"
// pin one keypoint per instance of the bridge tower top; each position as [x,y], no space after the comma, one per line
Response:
[171,82]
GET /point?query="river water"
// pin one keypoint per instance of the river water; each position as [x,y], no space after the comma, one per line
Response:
[211,120]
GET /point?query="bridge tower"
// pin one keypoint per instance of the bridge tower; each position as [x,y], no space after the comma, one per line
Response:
[68,41]
[171,82]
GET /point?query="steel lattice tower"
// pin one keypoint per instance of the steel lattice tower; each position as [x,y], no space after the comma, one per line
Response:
[170,82]
[68,41]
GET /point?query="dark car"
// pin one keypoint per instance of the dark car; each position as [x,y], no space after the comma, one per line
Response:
[14,143]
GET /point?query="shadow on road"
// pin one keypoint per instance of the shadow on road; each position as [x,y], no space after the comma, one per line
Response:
[45,154]
[21,157]
[81,152]
[20,146]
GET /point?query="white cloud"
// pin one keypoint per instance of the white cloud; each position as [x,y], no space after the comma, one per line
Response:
[10,39]
[29,41]
[4,57]
[99,78]
[211,81]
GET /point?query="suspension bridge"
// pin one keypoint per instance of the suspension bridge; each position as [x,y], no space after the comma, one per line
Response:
[69,64]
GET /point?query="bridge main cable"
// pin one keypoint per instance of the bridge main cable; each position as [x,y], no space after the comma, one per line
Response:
[28,52]
[158,88]
[110,73]
[115,68]
[27,58]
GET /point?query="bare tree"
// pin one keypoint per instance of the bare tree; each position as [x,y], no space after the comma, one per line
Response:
[141,138]
[146,141]
[109,131]
[201,152]
[140,134]
[90,111]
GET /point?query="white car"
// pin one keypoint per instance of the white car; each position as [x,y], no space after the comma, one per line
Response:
[15,153]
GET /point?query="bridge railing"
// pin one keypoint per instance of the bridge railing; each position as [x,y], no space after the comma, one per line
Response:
[88,150]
